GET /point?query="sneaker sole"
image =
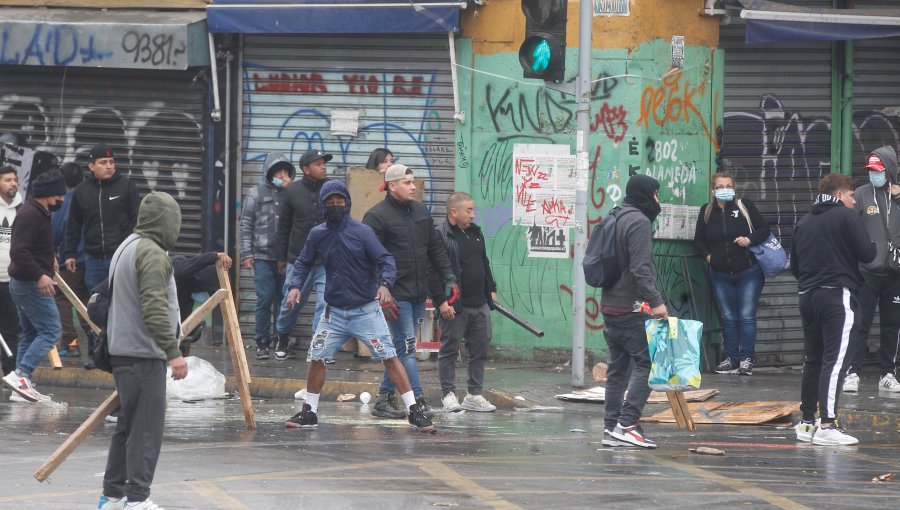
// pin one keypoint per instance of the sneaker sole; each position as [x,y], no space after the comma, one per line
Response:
[727,371]
[832,443]
[382,414]
[430,428]
[478,409]
[453,409]
[889,390]
[292,425]
[19,392]
[745,373]
[850,390]
[613,443]
[626,439]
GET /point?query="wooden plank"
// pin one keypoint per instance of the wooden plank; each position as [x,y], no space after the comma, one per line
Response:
[55,362]
[200,313]
[236,346]
[77,437]
[111,4]
[598,394]
[734,413]
[79,306]
[680,410]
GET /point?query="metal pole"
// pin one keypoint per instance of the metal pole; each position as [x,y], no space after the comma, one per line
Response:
[583,90]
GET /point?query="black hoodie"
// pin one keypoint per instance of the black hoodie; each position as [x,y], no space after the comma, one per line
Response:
[880,213]
[828,245]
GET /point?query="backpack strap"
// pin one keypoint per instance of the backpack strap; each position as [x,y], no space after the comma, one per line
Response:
[743,209]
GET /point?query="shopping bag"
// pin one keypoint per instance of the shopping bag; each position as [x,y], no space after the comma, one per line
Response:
[770,255]
[675,353]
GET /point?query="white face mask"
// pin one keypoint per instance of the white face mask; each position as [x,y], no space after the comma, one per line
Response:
[878,179]
[725,195]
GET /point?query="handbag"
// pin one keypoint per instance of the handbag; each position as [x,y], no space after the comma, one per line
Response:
[674,346]
[770,255]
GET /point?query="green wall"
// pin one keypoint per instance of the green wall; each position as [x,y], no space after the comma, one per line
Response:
[639,123]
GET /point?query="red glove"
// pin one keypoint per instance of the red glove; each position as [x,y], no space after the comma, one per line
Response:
[390,311]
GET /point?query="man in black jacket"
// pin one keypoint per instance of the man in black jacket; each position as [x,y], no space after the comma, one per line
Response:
[470,316]
[300,212]
[406,229]
[104,209]
[828,245]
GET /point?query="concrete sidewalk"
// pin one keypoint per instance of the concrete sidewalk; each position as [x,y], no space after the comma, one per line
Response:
[509,385]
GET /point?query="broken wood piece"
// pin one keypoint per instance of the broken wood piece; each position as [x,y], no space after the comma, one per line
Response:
[680,409]
[703,450]
[55,362]
[236,346]
[733,413]
[599,372]
[887,477]
[79,306]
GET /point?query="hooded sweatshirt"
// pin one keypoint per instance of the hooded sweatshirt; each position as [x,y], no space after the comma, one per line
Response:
[144,319]
[7,215]
[880,213]
[355,262]
[828,245]
[261,212]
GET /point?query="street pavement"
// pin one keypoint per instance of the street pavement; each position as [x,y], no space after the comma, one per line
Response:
[534,452]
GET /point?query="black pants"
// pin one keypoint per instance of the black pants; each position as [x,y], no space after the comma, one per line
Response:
[830,318]
[474,324]
[9,328]
[883,292]
[134,449]
[627,342]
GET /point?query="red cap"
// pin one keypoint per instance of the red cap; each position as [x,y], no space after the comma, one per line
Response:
[875,164]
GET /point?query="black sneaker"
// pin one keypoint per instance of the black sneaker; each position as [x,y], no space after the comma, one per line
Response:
[746,367]
[727,367]
[418,419]
[283,350]
[423,404]
[386,407]
[305,419]
[262,352]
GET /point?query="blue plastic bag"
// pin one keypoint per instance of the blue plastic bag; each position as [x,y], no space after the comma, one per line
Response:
[675,352]
[770,255]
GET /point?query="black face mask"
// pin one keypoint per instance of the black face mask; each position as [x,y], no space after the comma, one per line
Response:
[334,214]
[55,207]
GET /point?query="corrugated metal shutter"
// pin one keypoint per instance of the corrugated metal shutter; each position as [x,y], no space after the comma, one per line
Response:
[876,98]
[399,85]
[777,139]
[151,119]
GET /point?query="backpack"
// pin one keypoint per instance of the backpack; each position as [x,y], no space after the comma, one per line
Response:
[601,264]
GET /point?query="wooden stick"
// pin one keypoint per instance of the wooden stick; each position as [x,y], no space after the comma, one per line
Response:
[55,362]
[236,346]
[680,410]
[77,437]
[79,306]
[197,316]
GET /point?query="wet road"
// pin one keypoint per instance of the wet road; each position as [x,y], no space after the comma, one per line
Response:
[505,460]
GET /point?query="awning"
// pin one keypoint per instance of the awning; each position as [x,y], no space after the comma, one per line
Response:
[334,16]
[95,38]
[769,21]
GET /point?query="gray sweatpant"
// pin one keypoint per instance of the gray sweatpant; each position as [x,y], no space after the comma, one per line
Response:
[473,324]
[627,342]
[135,445]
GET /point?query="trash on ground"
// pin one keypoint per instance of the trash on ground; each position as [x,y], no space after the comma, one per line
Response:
[887,477]
[202,381]
[346,397]
[598,394]
[599,372]
[580,431]
[703,450]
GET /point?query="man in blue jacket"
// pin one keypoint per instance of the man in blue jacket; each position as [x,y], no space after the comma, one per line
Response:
[359,275]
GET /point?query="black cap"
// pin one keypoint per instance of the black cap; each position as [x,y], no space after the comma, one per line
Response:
[311,155]
[101,150]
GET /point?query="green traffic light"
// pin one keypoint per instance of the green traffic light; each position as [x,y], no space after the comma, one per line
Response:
[541,55]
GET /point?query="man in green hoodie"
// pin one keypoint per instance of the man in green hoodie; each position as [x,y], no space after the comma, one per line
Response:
[143,327]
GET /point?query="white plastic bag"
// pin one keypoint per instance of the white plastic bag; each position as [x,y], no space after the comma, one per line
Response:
[202,381]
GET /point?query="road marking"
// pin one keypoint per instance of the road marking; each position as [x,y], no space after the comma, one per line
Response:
[738,485]
[216,494]
[464,485]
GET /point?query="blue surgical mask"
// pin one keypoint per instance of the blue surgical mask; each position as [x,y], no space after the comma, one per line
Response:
[878,179]
[278,183]
[725,194]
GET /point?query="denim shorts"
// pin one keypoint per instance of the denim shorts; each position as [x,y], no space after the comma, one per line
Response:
[337,325]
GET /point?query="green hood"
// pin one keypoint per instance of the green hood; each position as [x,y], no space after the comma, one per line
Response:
[159,219]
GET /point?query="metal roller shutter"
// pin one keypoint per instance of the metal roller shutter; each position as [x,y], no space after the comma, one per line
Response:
[777,139]
[400,87]
[876,98]
[151,119]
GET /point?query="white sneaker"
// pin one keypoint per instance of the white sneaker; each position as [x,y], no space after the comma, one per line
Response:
[889,383]
[834,436]
[14,397]
[805,430]
[107,504]
[143,505]
[23,387]
[477,403]
[451,403]
[851,383]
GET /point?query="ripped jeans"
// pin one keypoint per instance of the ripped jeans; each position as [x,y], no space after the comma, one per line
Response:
[403,331]
[337,325]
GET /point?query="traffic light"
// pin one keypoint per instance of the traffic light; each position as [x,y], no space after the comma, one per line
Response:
[543,53]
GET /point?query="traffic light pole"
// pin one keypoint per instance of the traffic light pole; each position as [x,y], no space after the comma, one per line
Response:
[583,89]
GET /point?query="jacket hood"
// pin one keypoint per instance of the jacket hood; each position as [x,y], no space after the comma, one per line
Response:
[159,219]
[16,202]
[825,203]
[888,156]
[276,160]
[331,188]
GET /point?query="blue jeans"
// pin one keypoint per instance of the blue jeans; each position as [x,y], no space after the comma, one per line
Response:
[95,271]
[338,325]
[287,317]
[738,297]
[39,319]
[268,282]
[403,333]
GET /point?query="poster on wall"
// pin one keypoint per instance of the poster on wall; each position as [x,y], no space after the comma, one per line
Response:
[544,180]
[548,242]
[677,222]
[612,7]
